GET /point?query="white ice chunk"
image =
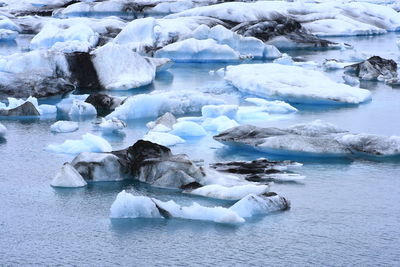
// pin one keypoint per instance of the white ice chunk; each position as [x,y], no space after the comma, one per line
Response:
[230,193]
[68,176]
[88,143]
[188,129]
[165,139]
[64,126]
[127,205]
[259,205]
[293,84]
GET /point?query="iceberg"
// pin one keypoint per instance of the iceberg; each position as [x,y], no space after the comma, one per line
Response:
[374,68]
[37,73]
[127,205]
[157,103]
[88,143]
[64,126]
[119,68]
[292,84]
[68,176]
[314,139]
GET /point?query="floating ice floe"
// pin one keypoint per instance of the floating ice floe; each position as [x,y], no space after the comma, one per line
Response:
[127,205]
[229,193]
[111,125]
[3,130]
[252,204]
[315,139]
[292,84]
[161,138]
[374,68]
[68,176]
[157,103]
[64,126]
[88,143]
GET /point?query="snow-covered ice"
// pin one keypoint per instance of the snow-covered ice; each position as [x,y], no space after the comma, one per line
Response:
[64,126]
[88,143]
[293,84]
[165,139]
[68,176]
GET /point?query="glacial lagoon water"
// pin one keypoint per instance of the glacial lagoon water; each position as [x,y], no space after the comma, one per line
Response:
[346,212]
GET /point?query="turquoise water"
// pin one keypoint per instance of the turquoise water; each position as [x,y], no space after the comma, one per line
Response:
[346,212]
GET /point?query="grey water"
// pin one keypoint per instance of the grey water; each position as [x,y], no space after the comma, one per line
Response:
[346,212]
